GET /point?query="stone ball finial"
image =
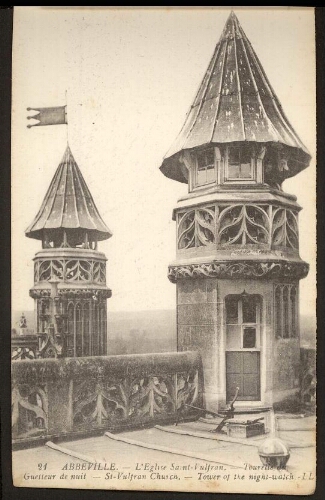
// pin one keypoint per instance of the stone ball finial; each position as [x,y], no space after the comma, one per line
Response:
[274,453]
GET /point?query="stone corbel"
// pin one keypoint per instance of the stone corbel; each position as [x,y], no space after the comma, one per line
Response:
[261,153]
[186,163]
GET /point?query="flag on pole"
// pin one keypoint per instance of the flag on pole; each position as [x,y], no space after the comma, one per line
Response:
[49,116]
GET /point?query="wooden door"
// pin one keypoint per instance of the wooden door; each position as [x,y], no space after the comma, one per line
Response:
[243,371]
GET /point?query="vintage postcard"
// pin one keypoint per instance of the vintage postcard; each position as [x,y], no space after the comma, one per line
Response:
[164,249]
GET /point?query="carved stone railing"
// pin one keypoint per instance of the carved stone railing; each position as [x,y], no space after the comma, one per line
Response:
[264,226]
[24,347]
[80,396]
[70,265]
[308,379]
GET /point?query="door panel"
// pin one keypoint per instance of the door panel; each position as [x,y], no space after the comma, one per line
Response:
[243,371]
[234,362]
[250,362]
[234,381]
[251,386]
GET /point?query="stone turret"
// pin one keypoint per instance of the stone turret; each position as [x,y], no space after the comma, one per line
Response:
[237,266]
[70,291]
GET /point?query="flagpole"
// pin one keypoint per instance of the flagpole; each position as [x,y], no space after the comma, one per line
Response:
[66,110]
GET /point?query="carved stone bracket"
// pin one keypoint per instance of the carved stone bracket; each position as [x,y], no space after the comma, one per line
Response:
[244,269]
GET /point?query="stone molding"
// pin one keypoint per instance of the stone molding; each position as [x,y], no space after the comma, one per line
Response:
[239,270]
[80,293]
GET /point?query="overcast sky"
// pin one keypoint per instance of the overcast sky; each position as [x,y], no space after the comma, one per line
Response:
[131,76]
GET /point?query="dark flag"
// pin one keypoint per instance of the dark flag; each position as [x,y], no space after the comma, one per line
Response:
[48,116]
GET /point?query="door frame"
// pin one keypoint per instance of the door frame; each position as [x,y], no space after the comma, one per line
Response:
[260,341]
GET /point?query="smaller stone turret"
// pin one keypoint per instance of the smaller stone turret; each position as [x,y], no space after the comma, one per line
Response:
[70,289]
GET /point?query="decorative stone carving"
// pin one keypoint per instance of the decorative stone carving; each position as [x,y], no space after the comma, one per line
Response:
[243,224]
[23,352]
[68,292]
[52,344]
[226,270]
[285,228]
[286,310]
[112,392]
[238,225]
[99,401]
[196,228]
[24,347]
[39,293]
[70,270]
[29,410]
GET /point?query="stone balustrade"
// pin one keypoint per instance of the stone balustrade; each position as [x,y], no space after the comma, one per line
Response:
[83,396]
[238,225]
[72,265]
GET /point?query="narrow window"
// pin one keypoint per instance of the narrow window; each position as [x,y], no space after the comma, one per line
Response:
[232,309]
[96,327]
[249,309]
[205,168]
[278,312]
[286,333]
[293,296]
[103,330]
[249,338]
[70,339]
[239,163]
[78,330]
[86,333]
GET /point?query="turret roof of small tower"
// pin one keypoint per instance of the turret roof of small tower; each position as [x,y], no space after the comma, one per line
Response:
[68,204]
[235,102]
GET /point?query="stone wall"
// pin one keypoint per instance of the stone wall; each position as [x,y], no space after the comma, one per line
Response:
[286,371]
[197,324]
[83,396]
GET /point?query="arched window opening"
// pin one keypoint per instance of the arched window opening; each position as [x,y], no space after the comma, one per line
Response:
[71,325]
[78,330]
[278,312]
[86,331]
[286,331]
[294,323]
[96,326]
[103,330]
[285,311]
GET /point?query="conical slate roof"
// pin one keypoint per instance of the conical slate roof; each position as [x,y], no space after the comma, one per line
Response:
[235,102]
[68,204]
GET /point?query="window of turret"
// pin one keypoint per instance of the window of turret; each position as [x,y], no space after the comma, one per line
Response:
[240,164]
[205,167]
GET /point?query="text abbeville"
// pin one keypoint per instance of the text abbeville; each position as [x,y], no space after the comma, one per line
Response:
[89,466]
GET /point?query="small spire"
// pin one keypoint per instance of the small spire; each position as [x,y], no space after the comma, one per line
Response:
[231,29]
[235,103]
[68,204]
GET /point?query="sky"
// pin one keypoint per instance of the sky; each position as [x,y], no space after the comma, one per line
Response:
[130,76]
